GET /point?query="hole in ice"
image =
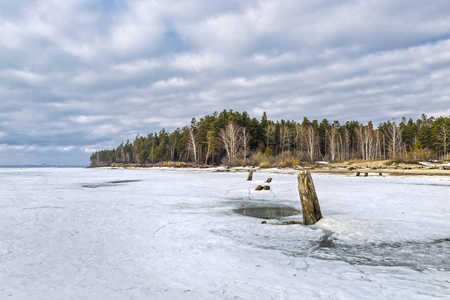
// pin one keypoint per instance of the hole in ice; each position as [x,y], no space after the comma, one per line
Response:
[267,212]
[107,183]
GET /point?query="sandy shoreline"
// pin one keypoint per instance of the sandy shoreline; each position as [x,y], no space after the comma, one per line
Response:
[376,172]
[373,168]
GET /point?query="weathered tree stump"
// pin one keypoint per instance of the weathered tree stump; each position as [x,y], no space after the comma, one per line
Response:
[267,187]
[259,188]
[250,175]
[308,198]
[269,180]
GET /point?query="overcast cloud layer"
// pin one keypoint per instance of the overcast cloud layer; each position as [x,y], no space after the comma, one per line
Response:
[84,75]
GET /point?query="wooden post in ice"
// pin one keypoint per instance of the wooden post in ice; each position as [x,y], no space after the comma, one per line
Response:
[250,175]
[308,198]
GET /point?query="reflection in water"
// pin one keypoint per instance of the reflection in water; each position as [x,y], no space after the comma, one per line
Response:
[267,212]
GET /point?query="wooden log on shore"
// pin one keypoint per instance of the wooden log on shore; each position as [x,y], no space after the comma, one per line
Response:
[250,175]
[259,188]
[267,187]
[269,180]
[308,198]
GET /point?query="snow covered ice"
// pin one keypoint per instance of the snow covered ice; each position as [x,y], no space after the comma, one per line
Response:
[166,234]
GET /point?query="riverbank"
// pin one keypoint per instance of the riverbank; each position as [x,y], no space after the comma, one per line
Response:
[383,167]
[347,167]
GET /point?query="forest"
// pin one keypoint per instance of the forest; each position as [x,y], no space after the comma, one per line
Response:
[232,138]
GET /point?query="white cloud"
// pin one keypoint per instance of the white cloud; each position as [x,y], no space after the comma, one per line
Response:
[66,149]
[83,119]
[77,74]
[137,30]
[197,62]
[137,66]
[27,76]
[171,83]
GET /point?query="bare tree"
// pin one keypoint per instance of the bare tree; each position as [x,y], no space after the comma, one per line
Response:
[270,133]
[347,142]
[121,153]
[245,140]
[211,139]
[311,139]
[366,141]
[230,138]
[285,137]
[394,137]
[172,146]
[340,145]
[377,145]
[333,142]
[192,143]
[297,137]
[443,138]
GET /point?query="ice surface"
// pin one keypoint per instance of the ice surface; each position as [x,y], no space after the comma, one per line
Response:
[165,234]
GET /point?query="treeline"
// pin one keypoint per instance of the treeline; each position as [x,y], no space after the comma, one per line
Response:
[232,138]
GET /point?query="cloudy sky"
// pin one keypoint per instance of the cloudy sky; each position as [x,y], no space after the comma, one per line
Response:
[84,75]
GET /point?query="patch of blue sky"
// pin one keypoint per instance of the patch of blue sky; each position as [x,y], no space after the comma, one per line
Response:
[437,39]
[109,6]
[174,41]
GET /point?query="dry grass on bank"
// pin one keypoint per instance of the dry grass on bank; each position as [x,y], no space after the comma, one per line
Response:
[384,167]
[284,160]
[288,160]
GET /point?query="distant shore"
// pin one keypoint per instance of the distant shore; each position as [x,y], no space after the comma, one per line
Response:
[383,167]
[383,171]
[349,167]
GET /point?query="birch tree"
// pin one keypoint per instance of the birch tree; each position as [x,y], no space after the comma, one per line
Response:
[443,138]
[245,141]
[230,138]
[333,142]
[344,144]
[192,144]
[366,141]
[297,137]
[394,137]
[311,140]
[285,137]
[172,146]
[270,133]
[211,144]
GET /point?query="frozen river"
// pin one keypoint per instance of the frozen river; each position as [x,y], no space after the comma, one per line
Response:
[165,234]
